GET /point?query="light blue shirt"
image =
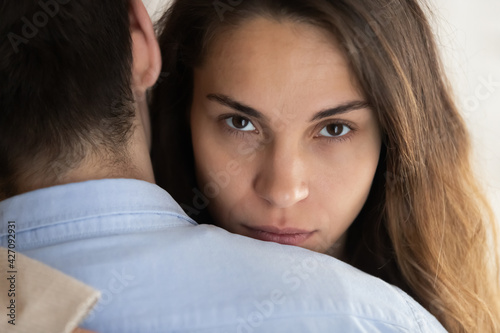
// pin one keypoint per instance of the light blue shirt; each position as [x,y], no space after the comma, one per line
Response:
[159,271]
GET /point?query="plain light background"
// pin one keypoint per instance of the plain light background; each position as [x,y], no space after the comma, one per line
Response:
[469,38]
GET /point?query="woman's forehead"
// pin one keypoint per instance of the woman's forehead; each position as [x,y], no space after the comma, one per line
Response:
[260,35]
[270,58]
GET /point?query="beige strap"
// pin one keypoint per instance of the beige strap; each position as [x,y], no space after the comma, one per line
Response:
[38,298]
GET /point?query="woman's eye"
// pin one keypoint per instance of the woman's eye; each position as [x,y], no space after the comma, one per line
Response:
[240,124]
[335,130]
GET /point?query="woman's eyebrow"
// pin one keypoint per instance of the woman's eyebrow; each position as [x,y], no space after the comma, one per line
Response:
[251,112]
[227,101]
[343,108]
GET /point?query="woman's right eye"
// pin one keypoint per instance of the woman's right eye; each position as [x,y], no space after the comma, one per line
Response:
[240,124]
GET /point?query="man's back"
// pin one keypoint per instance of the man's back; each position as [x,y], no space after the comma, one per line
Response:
[158,271]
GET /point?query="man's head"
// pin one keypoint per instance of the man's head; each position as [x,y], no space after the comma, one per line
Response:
[73,74]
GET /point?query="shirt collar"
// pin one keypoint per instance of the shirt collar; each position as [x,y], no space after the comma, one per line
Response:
[89,199]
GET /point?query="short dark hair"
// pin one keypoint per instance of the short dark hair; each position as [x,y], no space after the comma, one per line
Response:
[65,73]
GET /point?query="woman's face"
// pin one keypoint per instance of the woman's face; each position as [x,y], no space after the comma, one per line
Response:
[285,146]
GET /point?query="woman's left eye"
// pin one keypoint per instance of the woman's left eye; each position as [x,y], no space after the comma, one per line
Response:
[240,123]
[334,130]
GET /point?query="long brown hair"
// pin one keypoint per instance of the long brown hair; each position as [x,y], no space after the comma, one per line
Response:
[426,227]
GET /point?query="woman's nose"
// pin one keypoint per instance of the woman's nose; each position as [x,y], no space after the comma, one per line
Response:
[281,179]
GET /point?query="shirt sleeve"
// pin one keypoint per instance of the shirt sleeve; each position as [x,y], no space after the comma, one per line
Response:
[37,298]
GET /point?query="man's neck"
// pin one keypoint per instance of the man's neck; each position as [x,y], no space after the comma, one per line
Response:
[89,169]
[134,164]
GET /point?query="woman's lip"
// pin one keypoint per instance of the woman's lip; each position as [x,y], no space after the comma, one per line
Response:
[287,236]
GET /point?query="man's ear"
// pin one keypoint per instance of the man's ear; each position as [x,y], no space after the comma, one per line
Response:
[145,49]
